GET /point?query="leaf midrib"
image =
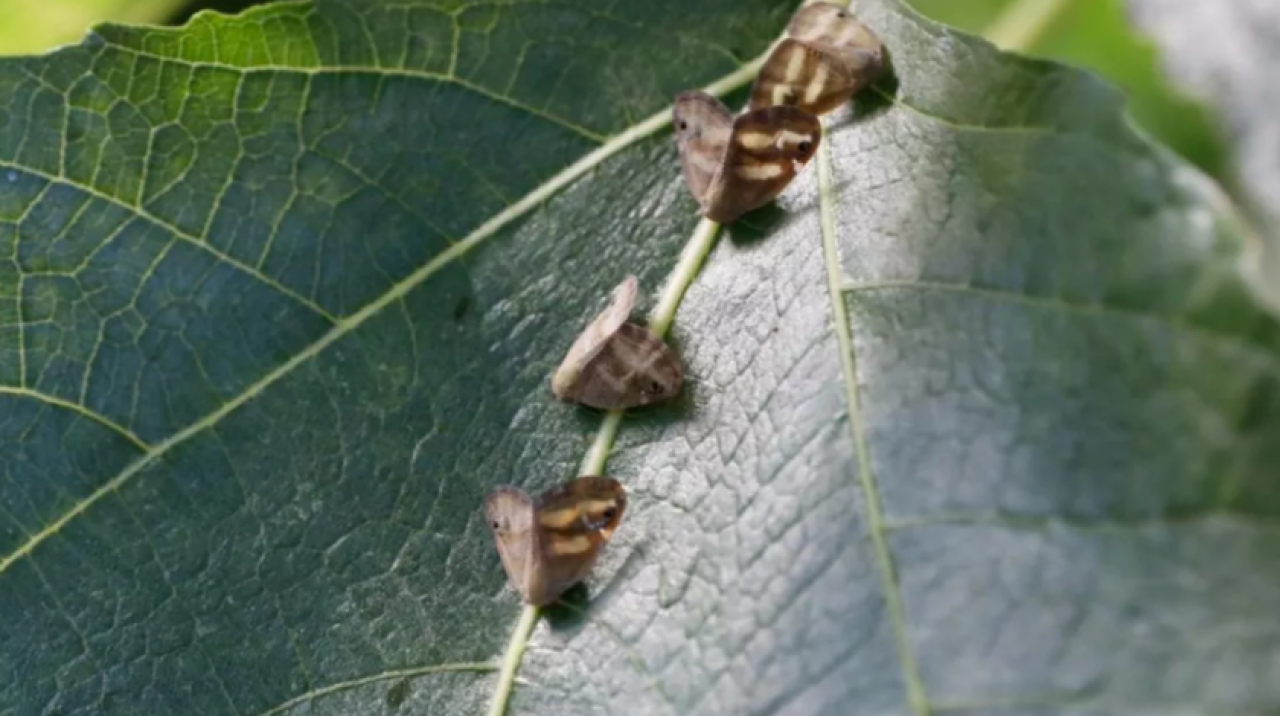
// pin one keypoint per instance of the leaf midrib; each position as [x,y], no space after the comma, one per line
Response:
[873,511]
[342,326]
[536,197]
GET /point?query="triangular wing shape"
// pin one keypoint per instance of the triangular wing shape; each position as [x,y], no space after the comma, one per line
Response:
[767,149]
[702,129]
[510,515]
[827,57]
[574,522]
[566,381]
[635,368]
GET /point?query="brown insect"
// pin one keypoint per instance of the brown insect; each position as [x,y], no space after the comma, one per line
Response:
[615,365]
[827,57]
[549,543]
[733,165]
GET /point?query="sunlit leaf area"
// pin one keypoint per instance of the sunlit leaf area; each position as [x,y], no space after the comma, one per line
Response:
[980,415]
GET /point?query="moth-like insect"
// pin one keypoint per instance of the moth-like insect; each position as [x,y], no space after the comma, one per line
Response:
[615,365]
[550,543]
[733,165]
[826,58]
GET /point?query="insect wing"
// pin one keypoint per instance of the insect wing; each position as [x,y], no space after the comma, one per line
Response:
[703,126]
[566,383]
[833,30]
[574,522]
[827,57]
[802,76]
[766,151]
[510,514]
[635,368]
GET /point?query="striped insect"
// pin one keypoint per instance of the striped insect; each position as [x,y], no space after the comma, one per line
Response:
[615,365]
[549,543]
[734,165]
[826,58]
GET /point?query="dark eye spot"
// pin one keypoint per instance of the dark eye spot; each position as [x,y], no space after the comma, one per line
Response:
[842,14]
[610,513]
[496,525]
[683,125]
[655,387]
[804,148]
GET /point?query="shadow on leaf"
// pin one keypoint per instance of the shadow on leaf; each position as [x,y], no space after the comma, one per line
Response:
[570,611]
[880,96]
[755,226]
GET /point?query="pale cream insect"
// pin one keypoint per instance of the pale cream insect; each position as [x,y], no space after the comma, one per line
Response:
[615,365]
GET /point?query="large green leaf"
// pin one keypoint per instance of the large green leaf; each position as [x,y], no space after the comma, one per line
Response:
[284,293]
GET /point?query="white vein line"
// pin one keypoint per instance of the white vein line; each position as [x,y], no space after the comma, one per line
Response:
[142,213]
[916,696]
[346,325]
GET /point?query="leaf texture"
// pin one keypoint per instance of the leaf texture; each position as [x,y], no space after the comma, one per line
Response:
[285,292]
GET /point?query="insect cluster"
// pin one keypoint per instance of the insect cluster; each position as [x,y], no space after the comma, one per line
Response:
[732,165]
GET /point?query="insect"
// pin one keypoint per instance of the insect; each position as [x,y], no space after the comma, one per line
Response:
[549,543]
[826,58]
[733,165]
[615,365]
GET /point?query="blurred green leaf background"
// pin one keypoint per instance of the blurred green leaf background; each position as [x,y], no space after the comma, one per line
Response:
[1095,34]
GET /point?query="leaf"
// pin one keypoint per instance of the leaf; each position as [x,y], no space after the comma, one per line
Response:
[1097,34]
[286,291]
[1221,52]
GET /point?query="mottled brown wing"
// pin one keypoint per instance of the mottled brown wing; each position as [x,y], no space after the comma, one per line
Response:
[702,129]
[767,149]
[635,368]
[566,381]
[827,57]
[832,29]
[574,522]
[801,76]
[510,515]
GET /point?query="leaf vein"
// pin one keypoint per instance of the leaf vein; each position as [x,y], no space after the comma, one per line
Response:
[131,437]
[381,72]
[1044,523]
[177,232]
[1174,323]
[154,548]
[343,326]
[338,687]
[848,364]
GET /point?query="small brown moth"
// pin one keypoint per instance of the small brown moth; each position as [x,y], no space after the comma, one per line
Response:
[733,165]
[615,365]
[827,57]
[549,543]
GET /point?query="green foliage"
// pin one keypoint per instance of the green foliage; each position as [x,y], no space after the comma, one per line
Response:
[285,291]
[1097,34]
[40,25]
[1223,53]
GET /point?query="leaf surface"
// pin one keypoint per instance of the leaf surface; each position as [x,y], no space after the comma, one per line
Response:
[1098,35]
[285,293]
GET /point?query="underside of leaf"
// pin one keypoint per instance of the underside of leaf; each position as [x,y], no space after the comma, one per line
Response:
[285,290]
